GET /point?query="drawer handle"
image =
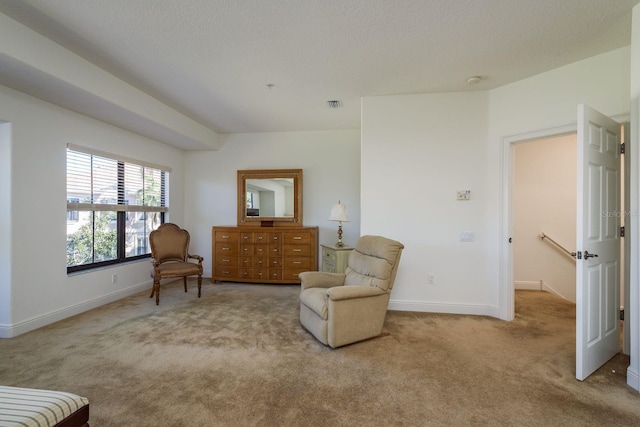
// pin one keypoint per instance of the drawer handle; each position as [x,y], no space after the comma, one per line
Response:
[226,260]
[225,237]
[297,250]
[297,238]
[225,272]
[297,262]
[226,249]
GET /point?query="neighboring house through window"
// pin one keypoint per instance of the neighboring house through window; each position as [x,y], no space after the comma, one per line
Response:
[113,203]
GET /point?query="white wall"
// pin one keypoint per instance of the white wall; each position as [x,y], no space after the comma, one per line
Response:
[330,163]
[544,200]
[41,291]
[418,150]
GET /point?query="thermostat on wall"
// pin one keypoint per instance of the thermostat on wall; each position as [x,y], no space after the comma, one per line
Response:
[464,195]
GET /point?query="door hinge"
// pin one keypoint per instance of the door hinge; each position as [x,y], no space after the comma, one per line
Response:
[622,148]
[622,231]
[622,314]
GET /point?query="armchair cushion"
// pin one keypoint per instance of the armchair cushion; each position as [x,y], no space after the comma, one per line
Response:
[176,269]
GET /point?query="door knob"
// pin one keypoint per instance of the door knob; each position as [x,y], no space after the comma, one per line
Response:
[587,255]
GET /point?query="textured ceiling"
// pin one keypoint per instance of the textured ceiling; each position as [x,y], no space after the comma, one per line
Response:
[213,59]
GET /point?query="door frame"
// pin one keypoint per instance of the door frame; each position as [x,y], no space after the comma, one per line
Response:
[506,290]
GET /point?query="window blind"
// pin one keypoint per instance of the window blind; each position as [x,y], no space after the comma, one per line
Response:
[99,183]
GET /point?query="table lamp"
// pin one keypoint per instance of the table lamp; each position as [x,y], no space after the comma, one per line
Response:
[339,213]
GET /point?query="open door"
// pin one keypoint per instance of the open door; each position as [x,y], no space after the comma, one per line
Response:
[597,241]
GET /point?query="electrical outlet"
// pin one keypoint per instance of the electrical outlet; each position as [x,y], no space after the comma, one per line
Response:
[114,278]
[467,236]
[431,279]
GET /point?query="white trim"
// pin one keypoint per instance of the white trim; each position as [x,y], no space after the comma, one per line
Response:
[12,330]
[633,379]
[548,288]
[527,285]
[447,308]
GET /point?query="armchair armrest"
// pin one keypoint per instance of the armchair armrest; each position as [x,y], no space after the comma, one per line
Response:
[196,257]
[319,279]
[351,292]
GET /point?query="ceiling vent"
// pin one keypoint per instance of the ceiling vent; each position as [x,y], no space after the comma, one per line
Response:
[334,103]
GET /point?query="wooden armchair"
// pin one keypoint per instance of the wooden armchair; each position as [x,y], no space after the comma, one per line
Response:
[170,257]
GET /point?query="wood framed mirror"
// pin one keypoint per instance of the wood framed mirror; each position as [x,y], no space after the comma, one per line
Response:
[270,197]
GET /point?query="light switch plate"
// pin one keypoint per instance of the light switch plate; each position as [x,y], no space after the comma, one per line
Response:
[463,195]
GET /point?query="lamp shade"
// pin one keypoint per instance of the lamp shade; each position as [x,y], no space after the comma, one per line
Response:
[339,213]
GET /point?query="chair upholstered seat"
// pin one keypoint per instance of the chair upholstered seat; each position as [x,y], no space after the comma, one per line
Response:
[170,257]
[343,308]
[177,269]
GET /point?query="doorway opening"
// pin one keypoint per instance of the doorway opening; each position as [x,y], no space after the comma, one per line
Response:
[544,215]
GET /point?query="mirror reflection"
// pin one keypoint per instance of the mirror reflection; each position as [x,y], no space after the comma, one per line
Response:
[271,198]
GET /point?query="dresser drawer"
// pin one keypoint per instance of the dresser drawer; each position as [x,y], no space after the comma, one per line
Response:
[231,272]
[226,236]
[297,237]
[292,274]
[297,250]
[303,263]
[226,249]
[226,261]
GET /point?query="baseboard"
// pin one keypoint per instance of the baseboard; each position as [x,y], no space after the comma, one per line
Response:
[13,330]
[447,308]
[548,288]
[633,379]
[527,285]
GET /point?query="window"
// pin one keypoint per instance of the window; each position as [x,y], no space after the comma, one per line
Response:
[113,204]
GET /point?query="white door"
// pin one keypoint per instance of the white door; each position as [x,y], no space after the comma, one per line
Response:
[597,241]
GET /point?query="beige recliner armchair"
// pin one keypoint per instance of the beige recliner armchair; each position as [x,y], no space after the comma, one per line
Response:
[342,308]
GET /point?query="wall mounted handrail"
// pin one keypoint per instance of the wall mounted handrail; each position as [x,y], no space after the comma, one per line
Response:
[558,245]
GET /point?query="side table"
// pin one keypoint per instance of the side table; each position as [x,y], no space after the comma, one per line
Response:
[334,258]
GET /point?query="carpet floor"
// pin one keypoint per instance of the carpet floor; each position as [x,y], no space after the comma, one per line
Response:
[239,357]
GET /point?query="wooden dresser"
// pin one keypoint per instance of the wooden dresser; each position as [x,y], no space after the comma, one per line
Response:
[263,254]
